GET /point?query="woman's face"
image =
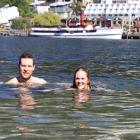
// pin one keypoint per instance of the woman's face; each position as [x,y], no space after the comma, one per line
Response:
[81,80]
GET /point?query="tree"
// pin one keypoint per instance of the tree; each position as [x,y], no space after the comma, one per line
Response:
[46,19]
[21,23]
[14,2]
[96,1]
[77,8]
[23,6]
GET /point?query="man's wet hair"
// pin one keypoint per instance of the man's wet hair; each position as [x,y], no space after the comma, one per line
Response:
[26,55]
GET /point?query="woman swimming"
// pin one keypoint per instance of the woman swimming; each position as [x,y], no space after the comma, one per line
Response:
[81,81]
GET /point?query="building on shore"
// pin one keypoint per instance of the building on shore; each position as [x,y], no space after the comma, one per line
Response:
[125,10]
[61,8]
[110,8]
[113,9]
[8,13]
[40,6]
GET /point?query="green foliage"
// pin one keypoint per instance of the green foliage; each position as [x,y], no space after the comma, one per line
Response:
[46,19]
[21,23]
[23,5]
[14,2]
[96,1]
[24,9]
[77,8]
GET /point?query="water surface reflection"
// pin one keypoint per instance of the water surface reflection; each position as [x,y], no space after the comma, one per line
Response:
[52,111]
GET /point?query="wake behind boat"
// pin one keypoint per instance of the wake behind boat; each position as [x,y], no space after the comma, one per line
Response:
[77,32]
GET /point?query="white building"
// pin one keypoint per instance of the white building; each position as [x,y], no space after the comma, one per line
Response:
[42,9]
[39,6]
[37,2]
[114,8]
[133,1]
[120,1]
[61,8]
[8,13]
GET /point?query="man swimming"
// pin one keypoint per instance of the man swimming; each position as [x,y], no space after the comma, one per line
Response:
[26,68]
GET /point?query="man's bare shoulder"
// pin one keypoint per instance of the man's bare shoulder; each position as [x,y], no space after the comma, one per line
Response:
[32,81]
[12,81]
[38,80]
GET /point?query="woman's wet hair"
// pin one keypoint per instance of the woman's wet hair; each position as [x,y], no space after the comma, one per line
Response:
[26,55]
[83,68]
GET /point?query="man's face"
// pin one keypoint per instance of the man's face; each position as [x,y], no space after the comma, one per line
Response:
[26,68]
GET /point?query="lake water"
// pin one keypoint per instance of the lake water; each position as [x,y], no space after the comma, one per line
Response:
[51,112]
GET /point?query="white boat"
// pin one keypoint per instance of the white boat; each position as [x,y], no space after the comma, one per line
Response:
[77,32]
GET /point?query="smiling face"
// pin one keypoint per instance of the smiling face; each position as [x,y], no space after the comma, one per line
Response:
[26,68]
[81,80]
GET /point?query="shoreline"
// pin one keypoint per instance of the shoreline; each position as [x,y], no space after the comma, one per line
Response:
[22,33]
[13,32]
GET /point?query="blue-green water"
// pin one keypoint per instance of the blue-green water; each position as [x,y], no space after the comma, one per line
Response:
[53,113]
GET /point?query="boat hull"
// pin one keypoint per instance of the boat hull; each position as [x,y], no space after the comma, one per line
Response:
[100,33]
